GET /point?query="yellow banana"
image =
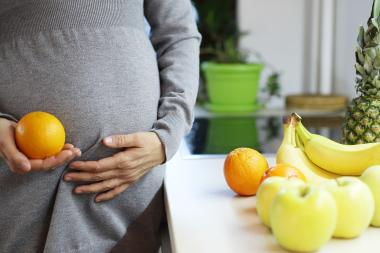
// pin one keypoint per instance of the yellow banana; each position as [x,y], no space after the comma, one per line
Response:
[290,154]
[347,160]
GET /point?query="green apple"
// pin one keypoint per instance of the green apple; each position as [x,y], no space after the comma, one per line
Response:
[372,179]
[303,218]
[355,206]
[268,190]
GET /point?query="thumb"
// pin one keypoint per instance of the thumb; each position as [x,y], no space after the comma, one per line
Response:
[16,161]
[121,141]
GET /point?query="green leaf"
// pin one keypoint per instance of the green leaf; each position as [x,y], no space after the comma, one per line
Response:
[376,8]
[359,69]
[273,85]
[376,62]
[376,83]
[359,56]
[361,37]
[374,22]
[368,64]
[370,52]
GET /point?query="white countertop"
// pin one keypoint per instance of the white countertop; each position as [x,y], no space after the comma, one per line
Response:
[204,215]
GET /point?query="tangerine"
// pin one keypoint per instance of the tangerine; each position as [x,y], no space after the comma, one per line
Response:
[40,135]
[244,169]
[284,170]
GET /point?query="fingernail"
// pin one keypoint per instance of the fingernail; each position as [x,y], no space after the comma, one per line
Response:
[108,140]
[78,190]
[25,166]
[67,178]
[97,200]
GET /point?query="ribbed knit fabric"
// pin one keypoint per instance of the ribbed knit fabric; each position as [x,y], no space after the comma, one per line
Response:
[22,17]
[91,64]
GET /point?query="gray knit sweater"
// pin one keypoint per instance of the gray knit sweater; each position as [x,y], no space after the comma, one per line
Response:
[91,64]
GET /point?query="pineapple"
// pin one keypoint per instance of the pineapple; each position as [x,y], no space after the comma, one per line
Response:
[362,121]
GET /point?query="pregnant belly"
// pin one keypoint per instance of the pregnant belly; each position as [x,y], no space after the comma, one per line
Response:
[98,82]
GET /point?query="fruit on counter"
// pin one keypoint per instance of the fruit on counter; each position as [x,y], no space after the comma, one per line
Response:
[303,218]
[362,124]
[244,169]
[371,177]
[284,170]
[291,153]
[40,135]
[355,206]
[347,160]
[268,190]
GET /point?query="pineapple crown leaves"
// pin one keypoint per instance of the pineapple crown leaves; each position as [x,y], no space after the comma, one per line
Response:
[368,59]
[375,9]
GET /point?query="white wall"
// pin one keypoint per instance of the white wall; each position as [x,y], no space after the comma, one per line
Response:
[350,15]
[277,30]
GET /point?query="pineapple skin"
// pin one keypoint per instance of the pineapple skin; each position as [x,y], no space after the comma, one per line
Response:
[362,120]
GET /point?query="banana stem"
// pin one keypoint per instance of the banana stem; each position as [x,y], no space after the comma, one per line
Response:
[303,133]
[299,143]
[293,135]
[287,135]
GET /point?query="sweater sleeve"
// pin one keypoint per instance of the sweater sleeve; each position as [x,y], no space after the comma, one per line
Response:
[7,116]
[176,40]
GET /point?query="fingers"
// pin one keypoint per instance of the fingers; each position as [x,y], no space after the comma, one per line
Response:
[99,187]
[125,159]
[16,161]
[102,165]
[123,141]
[91,176]
[111,194]
[68,146]
[65,156]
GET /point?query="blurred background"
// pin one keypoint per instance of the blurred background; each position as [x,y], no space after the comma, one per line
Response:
[263,59]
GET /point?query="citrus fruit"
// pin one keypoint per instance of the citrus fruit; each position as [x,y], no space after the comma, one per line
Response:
[284,170]
[244,169]
[40,135]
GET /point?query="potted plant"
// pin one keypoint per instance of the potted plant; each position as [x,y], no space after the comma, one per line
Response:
[232,83]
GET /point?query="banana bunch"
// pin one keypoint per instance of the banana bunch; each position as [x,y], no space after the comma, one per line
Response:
[291,152]
[320,158]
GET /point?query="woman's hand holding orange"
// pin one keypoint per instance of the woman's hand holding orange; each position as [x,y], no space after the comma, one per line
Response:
[19,163]
[113,175]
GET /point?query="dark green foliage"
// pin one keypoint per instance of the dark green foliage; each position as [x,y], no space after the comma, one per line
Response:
[217,23]
[272,86]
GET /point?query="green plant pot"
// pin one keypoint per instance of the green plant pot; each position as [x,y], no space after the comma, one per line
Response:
[232,87]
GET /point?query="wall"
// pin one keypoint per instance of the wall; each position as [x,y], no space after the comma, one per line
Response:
[350,15]
[277,30]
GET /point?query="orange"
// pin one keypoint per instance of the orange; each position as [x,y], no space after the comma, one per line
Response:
[40,135]
[244,169]
[284,170]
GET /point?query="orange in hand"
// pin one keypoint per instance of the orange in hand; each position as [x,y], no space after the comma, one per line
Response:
[244,169]
[284,170]
[40,135]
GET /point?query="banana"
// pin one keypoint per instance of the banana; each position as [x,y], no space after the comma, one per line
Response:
[290,154]
[345,160]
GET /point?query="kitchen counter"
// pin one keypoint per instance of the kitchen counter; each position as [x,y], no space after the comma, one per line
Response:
[204,215]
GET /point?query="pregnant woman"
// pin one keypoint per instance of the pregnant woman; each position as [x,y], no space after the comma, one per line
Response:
[126,101]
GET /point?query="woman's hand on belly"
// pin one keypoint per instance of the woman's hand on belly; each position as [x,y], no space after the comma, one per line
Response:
[113,175]
[19,163]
